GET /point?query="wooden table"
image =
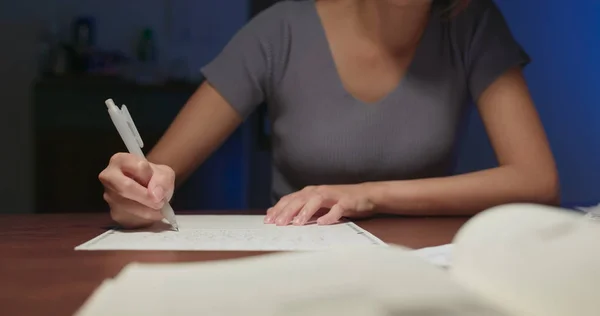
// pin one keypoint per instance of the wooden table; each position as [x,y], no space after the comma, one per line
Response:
[41,274]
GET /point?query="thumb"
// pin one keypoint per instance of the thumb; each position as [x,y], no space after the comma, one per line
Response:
[137,169]
[334,215]
[161,186]
[158,193]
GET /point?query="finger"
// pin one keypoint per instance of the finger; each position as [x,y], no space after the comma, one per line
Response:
[290,211]
[309,209]
[128,188]
[120,205]
[124,211]
[162,185]
[137,169]
[115,198]
[274,211]
[130,221]
[141,211]
[333,216]
[269,216]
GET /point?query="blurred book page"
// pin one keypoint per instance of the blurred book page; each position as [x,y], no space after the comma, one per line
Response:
[438,255]
[532,259]
[374,281]
[235,233]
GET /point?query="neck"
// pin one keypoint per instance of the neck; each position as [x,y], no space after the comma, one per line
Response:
[394,26]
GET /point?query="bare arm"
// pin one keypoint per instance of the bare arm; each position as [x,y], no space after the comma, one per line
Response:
[526,172]
[240,78]
[201,126]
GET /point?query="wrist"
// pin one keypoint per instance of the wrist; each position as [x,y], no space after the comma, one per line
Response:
[374,193]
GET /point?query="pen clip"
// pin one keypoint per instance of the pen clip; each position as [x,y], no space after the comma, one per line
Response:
[132,126]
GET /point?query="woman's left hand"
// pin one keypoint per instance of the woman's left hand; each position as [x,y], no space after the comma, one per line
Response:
[339,201]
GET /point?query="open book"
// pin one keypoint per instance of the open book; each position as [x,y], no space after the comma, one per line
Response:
[514,260]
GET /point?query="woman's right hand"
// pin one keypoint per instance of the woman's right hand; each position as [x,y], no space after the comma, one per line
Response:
[136,190]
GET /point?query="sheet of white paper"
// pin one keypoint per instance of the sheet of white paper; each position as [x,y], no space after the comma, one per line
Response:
[234,232]
[439,255]
[592,212]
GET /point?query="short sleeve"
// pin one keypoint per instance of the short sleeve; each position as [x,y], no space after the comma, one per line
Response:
[242,71]
[492,49]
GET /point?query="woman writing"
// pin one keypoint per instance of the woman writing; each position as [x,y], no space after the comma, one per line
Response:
[365,99]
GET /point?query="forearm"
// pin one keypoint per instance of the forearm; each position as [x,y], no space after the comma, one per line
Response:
[198,130]
[464,194]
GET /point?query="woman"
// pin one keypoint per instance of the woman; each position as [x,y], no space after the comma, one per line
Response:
[366,98]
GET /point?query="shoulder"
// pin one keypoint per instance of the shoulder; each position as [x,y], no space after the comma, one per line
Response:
[486,44]
[480,6]
[478,16]
[475,10]
[481,30]
[280,14]
[271,30]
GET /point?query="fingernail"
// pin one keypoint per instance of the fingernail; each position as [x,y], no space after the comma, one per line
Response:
[159,194]
[268,220]
[280,221]
[298,221]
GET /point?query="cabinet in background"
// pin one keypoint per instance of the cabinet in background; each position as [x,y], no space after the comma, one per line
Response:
[75,138]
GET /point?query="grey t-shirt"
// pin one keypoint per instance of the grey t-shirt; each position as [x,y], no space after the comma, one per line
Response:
[322,134]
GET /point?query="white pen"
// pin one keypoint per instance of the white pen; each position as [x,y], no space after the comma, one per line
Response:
[132,139]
